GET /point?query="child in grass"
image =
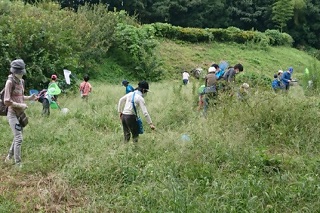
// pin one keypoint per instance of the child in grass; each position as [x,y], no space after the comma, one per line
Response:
[85,88]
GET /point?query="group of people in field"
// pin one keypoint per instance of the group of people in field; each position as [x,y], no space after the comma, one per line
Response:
[281,80]
[14,100]
[220,78]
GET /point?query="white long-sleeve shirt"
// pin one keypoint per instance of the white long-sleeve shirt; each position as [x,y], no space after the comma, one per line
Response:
[138,102]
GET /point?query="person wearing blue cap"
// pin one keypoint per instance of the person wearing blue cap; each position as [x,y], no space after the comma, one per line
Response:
[286,78]
[129,88]
[290,69]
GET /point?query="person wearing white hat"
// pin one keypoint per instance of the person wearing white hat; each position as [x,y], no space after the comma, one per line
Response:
[185,77]
[14,98]
[210,89]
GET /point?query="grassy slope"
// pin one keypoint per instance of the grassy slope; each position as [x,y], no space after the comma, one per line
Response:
[255,156]
[178,56]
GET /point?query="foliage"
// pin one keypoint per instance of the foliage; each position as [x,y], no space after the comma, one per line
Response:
[282,12]
[246,156]
[230,34]
[277,38]
[254,79]
[139,45]
[298,18]
[49,39]
[311,78]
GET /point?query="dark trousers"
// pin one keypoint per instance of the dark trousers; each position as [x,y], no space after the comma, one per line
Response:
[45,105]
[129,124]
[185,81]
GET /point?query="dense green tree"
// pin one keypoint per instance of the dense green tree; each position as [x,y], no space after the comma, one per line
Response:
[282,11]
[299,18]
[244,14]
[307,30]
[299,11]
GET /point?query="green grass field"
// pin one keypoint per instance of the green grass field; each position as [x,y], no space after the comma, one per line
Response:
[256,156]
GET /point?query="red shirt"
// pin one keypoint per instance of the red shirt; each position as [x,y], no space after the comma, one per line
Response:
[85,88]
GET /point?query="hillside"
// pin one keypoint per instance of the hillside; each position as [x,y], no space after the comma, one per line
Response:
[256,156]
[179,55]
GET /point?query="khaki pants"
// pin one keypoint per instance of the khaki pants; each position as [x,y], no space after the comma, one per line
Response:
[15,149]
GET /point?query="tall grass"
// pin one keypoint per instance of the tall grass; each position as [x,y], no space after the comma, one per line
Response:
[256,156]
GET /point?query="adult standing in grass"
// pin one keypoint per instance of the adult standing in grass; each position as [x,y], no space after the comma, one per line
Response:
[127,114]
[128,87]
[286,79]
[14,98]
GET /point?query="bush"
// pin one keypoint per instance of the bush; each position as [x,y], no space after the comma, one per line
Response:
[138,46]
[49,39]
[311,79]
[254,79]
[277,38]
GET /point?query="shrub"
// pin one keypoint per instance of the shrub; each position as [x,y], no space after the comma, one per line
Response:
[277,38]
[254,79]
[50,39]
[138,46]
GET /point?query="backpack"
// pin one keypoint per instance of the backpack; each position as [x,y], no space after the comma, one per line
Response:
[219,74]
[276,84]
[3,107]
[223,66]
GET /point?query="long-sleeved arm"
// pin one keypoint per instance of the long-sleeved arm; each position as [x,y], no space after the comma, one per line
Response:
[145,111]
[120,103]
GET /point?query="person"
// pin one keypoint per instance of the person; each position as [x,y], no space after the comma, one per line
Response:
[85,88]
[53,79]
[243,92]
[290,69]
[46,99]
[230,75]
[280,72]
[286,79]
[14,98]
[129,88]
[210,90]
[127,114]
[276,86]
[201,97]
[185,77]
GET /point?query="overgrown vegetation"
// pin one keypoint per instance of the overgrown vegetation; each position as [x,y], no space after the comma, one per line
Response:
[258,155]
[50,39]
[247,156]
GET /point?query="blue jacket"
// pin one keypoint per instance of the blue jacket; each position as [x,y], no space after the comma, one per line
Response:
[129,88]
[286,76]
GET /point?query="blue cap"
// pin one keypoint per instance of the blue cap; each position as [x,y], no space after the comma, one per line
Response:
[125,82]
[290,69]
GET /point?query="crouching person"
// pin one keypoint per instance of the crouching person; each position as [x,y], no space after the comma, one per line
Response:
[243,92]
[129,115]
[210,89]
